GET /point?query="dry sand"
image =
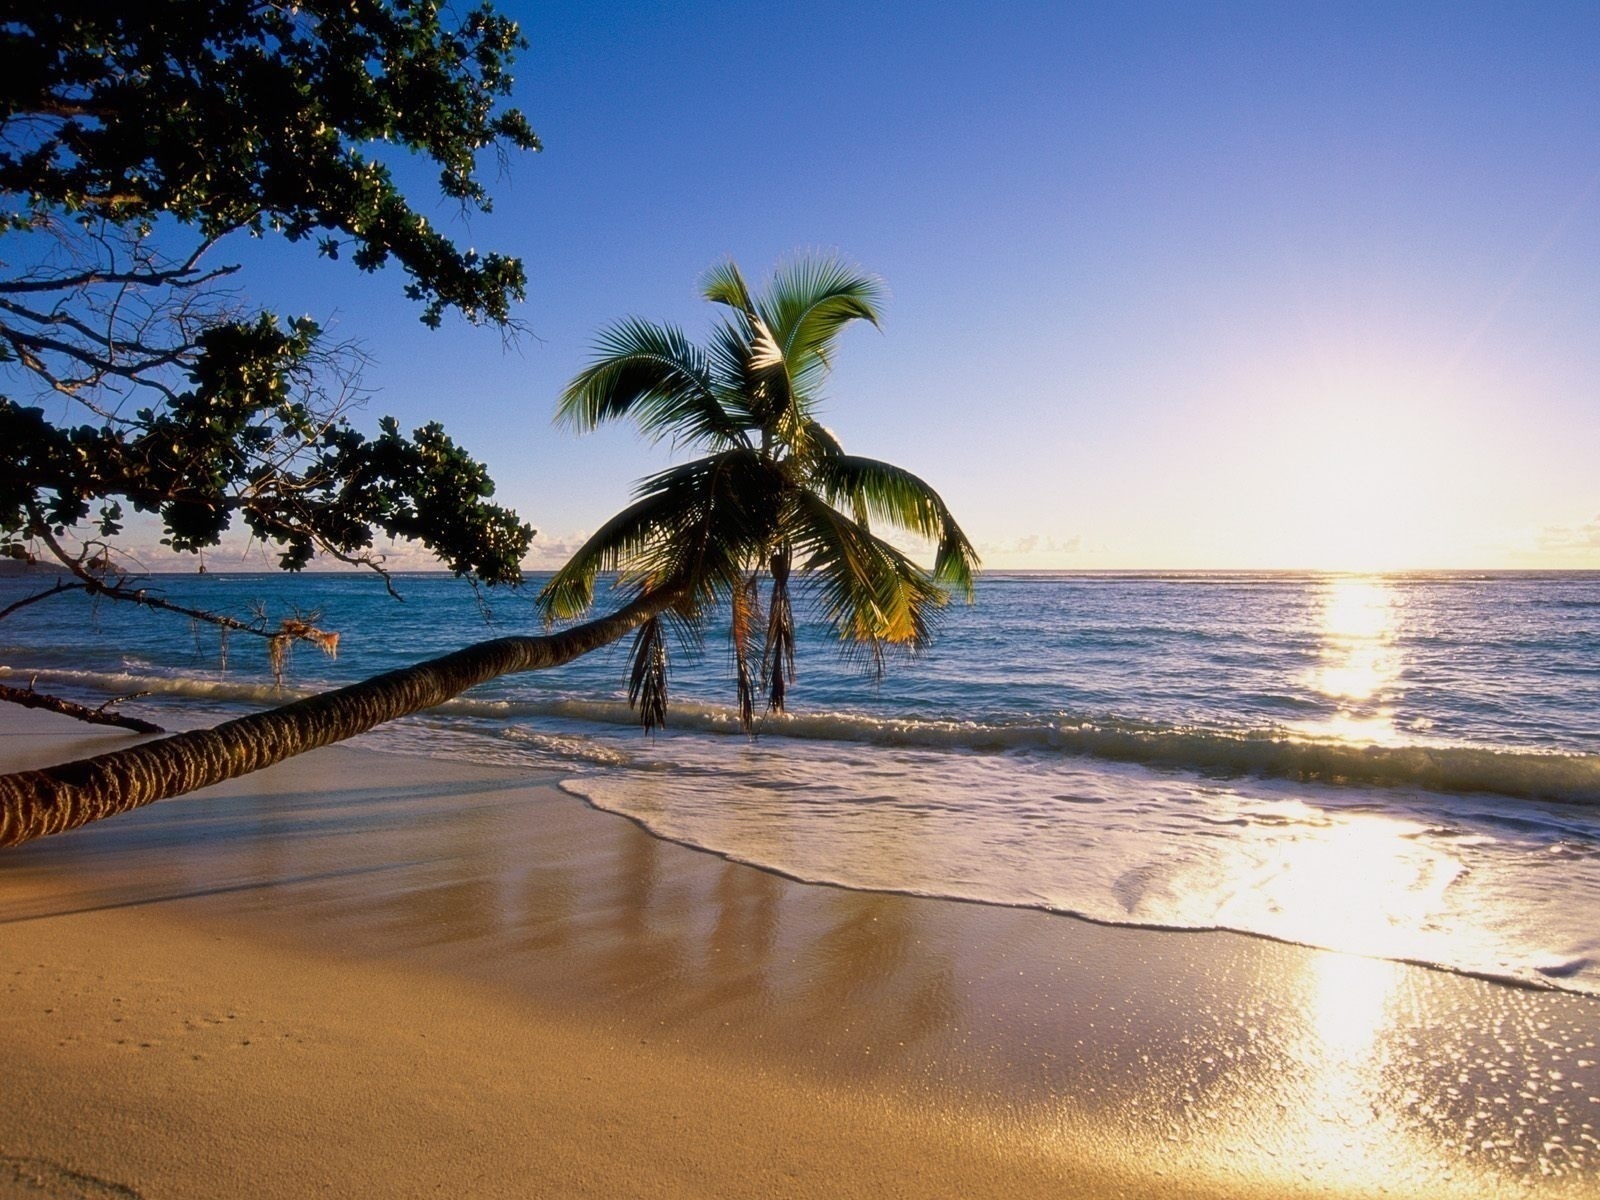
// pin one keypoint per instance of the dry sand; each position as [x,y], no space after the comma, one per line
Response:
[371,975]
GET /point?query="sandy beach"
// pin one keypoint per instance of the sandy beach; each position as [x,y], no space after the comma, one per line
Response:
[376,975]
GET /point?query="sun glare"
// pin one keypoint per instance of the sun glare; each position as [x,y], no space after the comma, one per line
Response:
[1325,1117]
[1358,661]
[1366,484]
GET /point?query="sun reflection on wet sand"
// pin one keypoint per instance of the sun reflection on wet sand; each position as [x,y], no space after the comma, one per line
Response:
[1346,1001]
[1330,1115]
[1319,1096]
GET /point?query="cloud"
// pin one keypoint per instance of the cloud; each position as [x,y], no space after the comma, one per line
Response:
[548,553]
[1030,546]
[1566,539]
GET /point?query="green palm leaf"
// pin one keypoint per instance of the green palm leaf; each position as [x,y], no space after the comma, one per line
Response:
[625,539]
[875,597]
[693,527]
[894,495]
[806,306]
[655,375]
[748,351]
[739,388]
[723,283]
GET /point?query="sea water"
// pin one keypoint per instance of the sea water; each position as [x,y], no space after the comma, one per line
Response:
[1398,766]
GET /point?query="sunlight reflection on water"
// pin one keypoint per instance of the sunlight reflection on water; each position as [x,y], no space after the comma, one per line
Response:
[1360,661]
[1358,882]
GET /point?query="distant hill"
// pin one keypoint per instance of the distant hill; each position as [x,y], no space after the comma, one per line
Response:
[11,568]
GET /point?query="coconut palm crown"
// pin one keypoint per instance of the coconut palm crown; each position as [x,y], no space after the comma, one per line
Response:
[773,494]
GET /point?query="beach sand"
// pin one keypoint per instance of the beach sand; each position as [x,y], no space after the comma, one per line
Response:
[361,974]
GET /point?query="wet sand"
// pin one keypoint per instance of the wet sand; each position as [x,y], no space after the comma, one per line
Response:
[374,975]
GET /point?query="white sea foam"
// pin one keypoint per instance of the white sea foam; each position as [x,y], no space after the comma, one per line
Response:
[1443,880]
[241,690]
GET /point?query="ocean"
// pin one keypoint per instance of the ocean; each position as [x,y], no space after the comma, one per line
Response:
[1398,766]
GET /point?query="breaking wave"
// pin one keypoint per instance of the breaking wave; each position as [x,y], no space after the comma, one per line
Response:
[1266,753]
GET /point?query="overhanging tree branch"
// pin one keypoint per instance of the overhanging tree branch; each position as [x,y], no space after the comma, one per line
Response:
[61,586]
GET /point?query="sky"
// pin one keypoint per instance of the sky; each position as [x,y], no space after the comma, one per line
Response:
[1171,285]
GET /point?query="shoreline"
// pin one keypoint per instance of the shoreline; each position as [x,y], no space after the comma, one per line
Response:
[1517,982]
[721,1030]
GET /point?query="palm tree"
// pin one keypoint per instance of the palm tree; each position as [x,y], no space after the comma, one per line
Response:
[774,490]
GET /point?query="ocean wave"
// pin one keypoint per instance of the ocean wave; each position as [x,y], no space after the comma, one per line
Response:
[1567,778]
[1531,775]
[576,749]
[240,691]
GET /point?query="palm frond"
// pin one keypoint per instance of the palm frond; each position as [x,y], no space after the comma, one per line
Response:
[777,653]
[746,616]
[821,443]
[806,305]
[747,358]
[894,495]
[619,543]
[739,388]
[647,679]
[657,376]
[724,284]
[874,596]
[695,527]
[728,508]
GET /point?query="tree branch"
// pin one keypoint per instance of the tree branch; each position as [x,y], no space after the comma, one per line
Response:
[29,698]
[183,276]
[61,586]
[100,585]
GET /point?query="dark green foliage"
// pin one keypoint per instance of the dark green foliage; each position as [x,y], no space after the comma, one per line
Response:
[235,446]
[124,129]
[238,114]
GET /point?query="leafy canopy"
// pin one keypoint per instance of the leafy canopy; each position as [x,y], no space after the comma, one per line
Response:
[239,114]
[132,139]
[773,493]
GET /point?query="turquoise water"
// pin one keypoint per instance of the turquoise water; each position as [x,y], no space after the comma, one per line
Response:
[1400,766]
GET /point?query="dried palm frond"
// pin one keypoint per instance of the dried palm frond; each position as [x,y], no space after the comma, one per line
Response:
[777,657]
[647,681]
[746,618]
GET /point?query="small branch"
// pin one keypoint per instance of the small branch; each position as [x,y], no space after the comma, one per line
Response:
[66,107]
[95,579]
[61,586]
[29,698]
[186,274]
[363,560]
[153,357]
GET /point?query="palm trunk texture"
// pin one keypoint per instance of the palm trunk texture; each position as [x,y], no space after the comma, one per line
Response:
[55,799]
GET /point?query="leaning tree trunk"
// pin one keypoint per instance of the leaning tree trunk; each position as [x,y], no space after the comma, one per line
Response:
[54,799]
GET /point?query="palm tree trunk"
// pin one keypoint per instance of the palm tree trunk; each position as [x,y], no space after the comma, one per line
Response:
[54,799]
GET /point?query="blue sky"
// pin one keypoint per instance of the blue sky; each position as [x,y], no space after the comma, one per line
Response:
[1171,285]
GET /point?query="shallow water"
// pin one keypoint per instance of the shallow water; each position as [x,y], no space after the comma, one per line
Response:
[1406,767]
